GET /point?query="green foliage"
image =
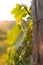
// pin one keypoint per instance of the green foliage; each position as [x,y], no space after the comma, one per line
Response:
[14,34]
[19,12]
[11,55]
[21,36]
[24,51]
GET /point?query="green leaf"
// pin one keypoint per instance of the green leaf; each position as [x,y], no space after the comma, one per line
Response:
[14,34]
[19,12]
[20,40]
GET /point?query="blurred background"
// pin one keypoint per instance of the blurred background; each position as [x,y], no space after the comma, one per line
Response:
[14,43]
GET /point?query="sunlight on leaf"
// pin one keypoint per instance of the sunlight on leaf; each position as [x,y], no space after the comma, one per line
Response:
[19,13]
[13,35]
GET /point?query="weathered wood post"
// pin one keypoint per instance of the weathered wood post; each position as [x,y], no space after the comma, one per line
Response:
[37,15]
